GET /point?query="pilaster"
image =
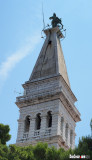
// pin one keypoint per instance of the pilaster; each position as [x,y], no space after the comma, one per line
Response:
[20,129]
[32,127]
[43,125]
[63,135]
[54,124]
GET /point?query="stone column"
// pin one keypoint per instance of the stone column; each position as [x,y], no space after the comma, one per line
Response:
[43,125]
[32,127]
[68,142]
[59,125]
[64,130]
[54,124]
[20,130]
[73,141]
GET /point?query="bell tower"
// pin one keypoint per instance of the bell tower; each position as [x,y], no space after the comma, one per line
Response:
[47,110]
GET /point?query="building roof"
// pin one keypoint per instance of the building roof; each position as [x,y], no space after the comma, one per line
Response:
[51,60]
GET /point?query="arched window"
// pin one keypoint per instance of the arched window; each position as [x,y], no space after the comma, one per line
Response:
[49,119]
[38,121]
[62,124]
[66,132]
[27,123]
[71,137]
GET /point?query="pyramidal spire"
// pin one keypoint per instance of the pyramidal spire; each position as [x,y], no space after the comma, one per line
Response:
[51,60]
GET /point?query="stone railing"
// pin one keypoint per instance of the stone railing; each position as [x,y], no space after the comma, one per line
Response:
[36,133]
[39,94]
[48,131]
[25,135]
[40,135]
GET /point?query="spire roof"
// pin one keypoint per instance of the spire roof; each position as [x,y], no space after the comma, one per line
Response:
[51,60]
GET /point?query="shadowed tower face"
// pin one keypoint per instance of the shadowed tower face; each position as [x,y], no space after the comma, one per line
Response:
[47,110]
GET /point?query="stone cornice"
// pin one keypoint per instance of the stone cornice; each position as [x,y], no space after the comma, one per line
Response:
[40,80]
[48,78]
[24,101]
[68,88]
[70,108]
[27,101]
[50,140]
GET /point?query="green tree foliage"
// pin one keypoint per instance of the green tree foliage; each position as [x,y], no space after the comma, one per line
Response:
[53,153]
[4,133]
[41,151]
[84,146]
[20,153]
[3,152]
[87,141]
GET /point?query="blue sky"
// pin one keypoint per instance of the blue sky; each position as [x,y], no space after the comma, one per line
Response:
[20,44]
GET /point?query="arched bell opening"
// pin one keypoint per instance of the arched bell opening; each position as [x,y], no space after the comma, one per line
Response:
[62,125]
[49,119]
[27,123]
[38,121]
[66,132]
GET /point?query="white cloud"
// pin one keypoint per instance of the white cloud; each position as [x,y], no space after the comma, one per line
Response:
[16,57]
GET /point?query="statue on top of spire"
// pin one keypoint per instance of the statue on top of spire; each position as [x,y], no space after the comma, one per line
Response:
[55,21]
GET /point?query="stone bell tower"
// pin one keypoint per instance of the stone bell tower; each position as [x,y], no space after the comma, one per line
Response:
[47,110]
